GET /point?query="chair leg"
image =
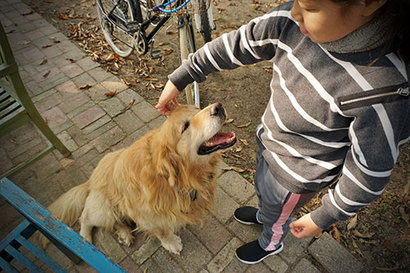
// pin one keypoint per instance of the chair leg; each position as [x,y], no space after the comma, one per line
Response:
[48,133]
[35,115]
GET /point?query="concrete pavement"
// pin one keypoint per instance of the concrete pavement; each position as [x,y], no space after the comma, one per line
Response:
[91,125]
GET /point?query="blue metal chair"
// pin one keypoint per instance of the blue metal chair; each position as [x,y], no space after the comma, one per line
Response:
[37,217]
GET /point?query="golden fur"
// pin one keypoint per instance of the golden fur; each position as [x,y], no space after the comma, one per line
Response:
[151,183]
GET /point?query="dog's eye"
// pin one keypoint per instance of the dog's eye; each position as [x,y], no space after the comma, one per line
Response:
[186,125]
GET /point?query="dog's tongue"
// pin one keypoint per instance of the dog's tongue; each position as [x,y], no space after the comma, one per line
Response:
[221,140]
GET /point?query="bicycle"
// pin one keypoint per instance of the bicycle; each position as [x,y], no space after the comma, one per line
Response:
[133,24]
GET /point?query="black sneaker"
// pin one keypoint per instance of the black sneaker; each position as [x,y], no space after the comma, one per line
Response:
[252,253]
[246,215]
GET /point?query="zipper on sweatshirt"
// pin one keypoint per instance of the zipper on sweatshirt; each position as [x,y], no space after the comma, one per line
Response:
[379,95]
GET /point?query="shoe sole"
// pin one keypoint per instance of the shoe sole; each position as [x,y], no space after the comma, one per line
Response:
[260,260]
[246,223]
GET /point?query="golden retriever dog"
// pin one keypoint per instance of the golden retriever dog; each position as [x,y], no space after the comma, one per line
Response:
[162,182]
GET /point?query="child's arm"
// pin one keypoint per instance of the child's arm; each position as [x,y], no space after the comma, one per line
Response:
[252,43]
[377,133]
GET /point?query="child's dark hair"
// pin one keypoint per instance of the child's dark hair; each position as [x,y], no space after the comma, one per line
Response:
[398,11]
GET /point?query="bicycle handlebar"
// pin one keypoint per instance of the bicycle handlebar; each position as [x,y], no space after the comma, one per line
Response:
[162,6]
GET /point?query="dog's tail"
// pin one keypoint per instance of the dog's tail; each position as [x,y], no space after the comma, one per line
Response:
[68,207]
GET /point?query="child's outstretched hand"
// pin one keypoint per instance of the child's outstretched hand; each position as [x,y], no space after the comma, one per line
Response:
[168,95]
[304,227]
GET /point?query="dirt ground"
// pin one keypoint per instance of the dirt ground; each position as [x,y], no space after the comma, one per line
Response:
[379,235]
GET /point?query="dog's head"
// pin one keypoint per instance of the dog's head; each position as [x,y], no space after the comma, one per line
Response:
[196,131]
[189,137]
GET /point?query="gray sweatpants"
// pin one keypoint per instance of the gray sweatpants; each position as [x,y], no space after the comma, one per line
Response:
[276,204]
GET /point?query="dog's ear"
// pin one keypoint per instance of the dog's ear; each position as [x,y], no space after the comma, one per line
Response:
[169,165]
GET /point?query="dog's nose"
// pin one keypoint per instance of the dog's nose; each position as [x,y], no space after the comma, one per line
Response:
[217,110]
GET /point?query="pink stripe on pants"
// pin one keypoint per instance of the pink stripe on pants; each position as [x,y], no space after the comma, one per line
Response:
[277,227]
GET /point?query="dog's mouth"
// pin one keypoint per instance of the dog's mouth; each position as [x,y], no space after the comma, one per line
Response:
[221,140]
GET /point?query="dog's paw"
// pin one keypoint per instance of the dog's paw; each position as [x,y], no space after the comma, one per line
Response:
[125,237]
[173,244]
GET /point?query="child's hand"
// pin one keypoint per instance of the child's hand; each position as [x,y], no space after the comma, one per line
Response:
[168,95]
[304,227]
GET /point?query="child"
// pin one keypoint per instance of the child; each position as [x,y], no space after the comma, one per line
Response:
[339,109]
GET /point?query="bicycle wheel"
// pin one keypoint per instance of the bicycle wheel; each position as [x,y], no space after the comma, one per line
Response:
[187,45]
[205,26]
[114,16]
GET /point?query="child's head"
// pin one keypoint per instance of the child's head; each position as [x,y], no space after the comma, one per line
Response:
[330,20]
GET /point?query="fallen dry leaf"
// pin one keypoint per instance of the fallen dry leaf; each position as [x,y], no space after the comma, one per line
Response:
[336,234]
[70,59]
[110,94]
[236,169]
[45,75]
[130,104]
[229,121]
[244,141]
[43,61]
[87,86]
[363,235]
[352,223]
[62,16]
[244,125]
[404,215]
[46,46]
[388,244]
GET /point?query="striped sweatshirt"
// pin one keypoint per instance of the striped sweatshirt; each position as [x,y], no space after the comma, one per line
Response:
[330,115]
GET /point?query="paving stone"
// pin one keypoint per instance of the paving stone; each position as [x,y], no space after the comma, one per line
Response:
[68,88]
[130,266]
[110,246]
[237,187]
[109,138]
[305,266]
[51,100]
[156,122]
[235,266]
[67,141]
[81,107]
[72,70]
[70,106]
[26,147]
[332,256]
[258,268]
[87,64]
[112,106]
[146,251]
[128,122]
[246,233]
[98,127]
[5,162]
[194,256]
[293,247]
[165,262]
[54,117]
[99,74]
[83,80]
[225,204]
[89,116]
[224,257]
[211,233]
[145,111]
[276,264]
[128,95]
[51,51]
[114,84]
[54,81]
[96,92]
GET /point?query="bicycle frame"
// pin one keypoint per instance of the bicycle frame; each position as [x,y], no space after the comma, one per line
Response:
[136,25]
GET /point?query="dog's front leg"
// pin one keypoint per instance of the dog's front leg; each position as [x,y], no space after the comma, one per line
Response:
[169,240]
